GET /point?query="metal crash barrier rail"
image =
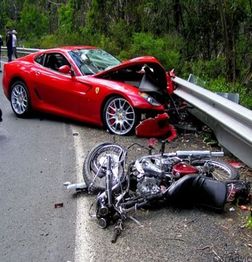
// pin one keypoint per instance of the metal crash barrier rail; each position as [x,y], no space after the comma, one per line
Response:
[22,50]
[231,122]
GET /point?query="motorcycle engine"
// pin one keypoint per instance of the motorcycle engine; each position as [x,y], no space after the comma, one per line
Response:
[148,167]
[147,186]
[149,172]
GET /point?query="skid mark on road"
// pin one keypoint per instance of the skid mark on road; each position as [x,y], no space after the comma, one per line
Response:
[83,240]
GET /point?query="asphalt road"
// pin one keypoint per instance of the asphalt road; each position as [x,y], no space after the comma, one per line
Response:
[36,157]
[38,154]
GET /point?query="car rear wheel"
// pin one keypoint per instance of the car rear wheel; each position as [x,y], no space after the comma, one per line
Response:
[19,98]
[119,116]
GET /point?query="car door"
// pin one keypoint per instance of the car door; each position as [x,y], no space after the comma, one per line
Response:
[60,93]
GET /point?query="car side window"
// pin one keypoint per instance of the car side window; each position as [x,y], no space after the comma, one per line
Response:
[55,60]
[40,59]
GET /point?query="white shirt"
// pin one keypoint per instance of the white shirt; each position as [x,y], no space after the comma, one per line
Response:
[14,40]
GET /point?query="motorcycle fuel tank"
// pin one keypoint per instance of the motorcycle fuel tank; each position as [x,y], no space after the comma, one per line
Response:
[182,169]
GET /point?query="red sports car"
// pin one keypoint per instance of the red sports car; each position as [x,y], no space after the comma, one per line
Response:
[88,84]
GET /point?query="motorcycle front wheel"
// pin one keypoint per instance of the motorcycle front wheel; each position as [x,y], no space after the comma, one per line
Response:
[95,166]
[217,169]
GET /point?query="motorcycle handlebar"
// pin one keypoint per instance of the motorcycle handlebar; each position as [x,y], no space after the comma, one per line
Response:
[220,153]
[199,153]
[185,154]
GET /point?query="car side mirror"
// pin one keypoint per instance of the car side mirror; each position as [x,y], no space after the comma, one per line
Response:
[65,69]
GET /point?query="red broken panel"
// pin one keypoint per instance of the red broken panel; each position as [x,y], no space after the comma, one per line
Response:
[157,127]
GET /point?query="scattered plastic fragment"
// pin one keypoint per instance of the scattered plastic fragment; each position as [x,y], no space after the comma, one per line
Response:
[236,164]
[231,209]
[58,205]
[152,142]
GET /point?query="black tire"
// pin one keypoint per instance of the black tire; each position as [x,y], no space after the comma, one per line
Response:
[119,117]
[93,161]
[20,99]
[217,169]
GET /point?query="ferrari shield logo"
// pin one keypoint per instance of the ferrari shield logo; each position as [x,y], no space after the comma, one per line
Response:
[97,90]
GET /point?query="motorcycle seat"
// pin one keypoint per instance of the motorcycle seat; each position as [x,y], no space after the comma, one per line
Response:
[198,190]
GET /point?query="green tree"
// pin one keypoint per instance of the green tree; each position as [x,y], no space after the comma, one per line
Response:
[96,19]
[33,21]
[66,18]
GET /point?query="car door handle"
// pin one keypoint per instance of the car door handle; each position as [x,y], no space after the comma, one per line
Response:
[37,73]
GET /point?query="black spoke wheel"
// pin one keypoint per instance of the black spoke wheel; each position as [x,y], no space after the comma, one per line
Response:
[96,161]
[217,169]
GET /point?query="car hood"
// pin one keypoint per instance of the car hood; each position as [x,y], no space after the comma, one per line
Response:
[146,71]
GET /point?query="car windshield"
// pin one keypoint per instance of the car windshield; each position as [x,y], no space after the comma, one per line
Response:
[92,61]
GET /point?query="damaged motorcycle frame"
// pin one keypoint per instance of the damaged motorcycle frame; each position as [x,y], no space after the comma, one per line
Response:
[181,178]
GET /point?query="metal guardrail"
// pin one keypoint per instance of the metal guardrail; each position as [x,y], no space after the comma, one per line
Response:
[231,122]
[22,50]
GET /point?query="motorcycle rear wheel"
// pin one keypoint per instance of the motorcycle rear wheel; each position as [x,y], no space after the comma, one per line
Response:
[217,169]
[93,162]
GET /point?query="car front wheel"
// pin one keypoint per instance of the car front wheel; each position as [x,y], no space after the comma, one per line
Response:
[119,116]
[19,99]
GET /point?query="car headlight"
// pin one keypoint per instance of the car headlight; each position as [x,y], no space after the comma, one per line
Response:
[150,99]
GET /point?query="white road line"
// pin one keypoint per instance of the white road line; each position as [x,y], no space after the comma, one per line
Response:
[83,251]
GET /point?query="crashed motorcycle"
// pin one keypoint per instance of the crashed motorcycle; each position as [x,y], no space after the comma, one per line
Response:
[178,178]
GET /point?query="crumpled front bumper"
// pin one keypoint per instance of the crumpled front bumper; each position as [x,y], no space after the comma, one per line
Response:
[158,127]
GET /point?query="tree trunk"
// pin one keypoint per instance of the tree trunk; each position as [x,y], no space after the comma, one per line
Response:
[229,41]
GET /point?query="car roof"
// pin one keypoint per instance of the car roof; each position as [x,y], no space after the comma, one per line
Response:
[71,48]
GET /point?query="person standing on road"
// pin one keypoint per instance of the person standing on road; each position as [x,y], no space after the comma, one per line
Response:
[9,43]
[1,43]
[14,43]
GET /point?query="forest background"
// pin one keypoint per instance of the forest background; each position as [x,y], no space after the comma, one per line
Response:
[211,39]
